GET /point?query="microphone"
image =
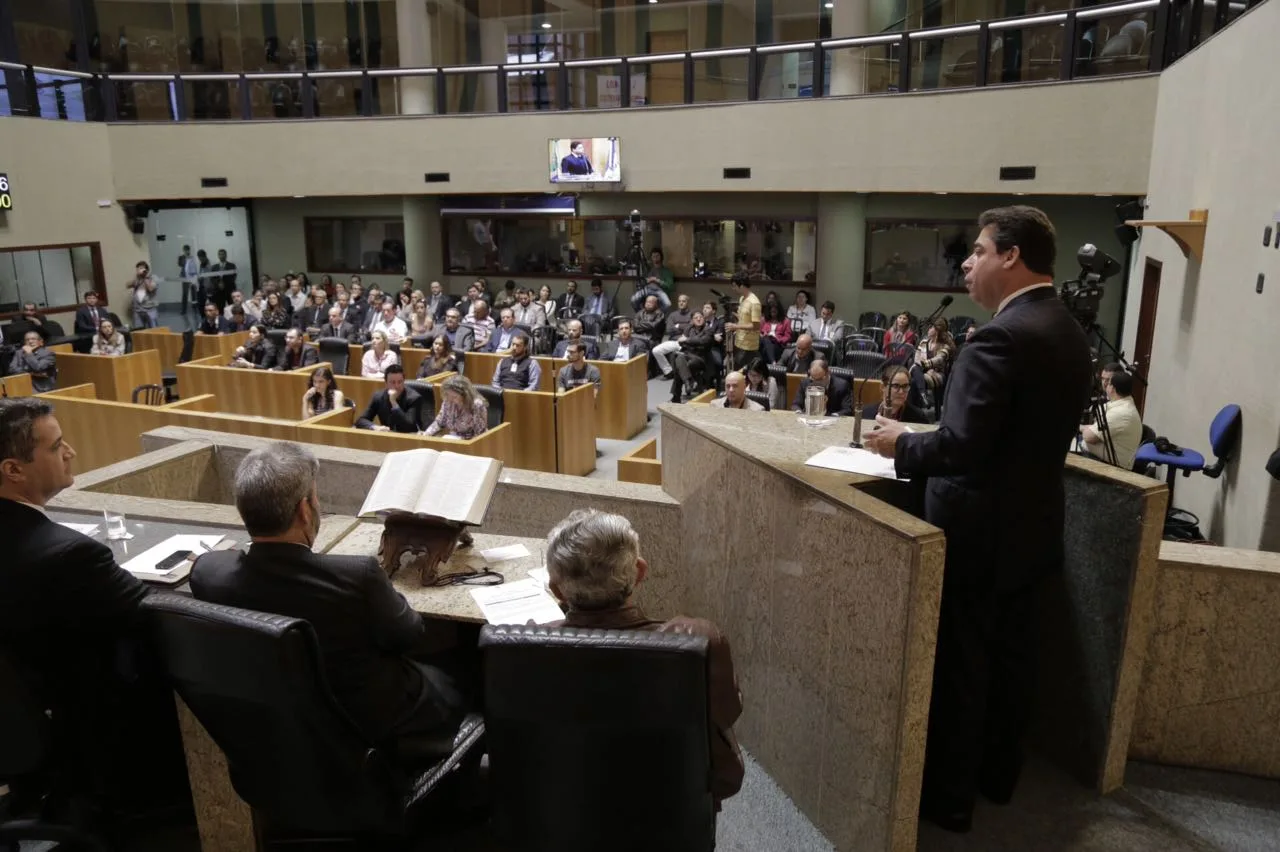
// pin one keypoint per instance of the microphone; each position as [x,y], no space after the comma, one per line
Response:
[946,303]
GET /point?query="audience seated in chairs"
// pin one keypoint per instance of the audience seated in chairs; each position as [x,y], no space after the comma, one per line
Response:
[312,314]
[803,311]
[901,334]
[441,359]
[390,324]
[649,322]
[379,357]
[594,563]
[295,354]
[573,334]
[1124,423]
[775,333]
[693,359]
[421,323]
[827,327]
[528,312]
[933,361]
[238,321]
[571,303]
[895,403]
[323,396]
[518,371]
[481,324]
[735,394]
[395,408]
[759,381]
[599,302]
[461,338]
[213,323]
[624,345]
[799,359]
[463,412]
[677,323]
[275,314]
[577,372]
[38,360]
[839,393]
[337,327]
[715,355]
[505,333]
[106,340]
[367,632]
[549,306]
[257,351]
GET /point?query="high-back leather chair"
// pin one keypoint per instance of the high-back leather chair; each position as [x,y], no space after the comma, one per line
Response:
[256,682]
[493,396]
[277,336]
[337,352]
[428,394]
[598,739]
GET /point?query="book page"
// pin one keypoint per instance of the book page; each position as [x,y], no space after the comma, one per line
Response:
[399,482]
[457,484]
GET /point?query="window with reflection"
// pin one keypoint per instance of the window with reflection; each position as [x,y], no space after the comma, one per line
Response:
[918,255]
[355,245]
[51,276]
[43,31]
[766,250]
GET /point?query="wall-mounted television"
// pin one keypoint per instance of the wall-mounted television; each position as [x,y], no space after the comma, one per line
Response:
[584,159]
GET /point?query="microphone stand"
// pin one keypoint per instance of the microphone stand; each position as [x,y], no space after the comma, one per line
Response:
[856,443]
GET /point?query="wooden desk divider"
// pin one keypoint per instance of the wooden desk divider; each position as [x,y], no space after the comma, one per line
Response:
[532,416]
[18,384]
[703,398]
[622,408]
[114,376]
[872,389]
[479,368]
[495,443]
[102,432]
[641,465]
[217,345]
[576,431]
[164,340]
[259,393]
[204,402]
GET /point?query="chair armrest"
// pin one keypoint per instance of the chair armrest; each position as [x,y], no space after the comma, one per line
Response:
[470,733]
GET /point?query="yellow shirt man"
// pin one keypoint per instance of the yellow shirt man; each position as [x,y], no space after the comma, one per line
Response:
[749,312]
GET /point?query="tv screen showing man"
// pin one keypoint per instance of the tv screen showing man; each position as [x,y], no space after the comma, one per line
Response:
[584,160]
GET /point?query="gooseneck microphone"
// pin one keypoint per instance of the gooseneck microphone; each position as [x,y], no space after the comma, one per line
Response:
[946,303]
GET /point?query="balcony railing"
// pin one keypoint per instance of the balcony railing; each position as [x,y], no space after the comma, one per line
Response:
[1096,41]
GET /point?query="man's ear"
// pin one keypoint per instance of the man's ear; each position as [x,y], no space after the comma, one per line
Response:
[1015,254]
[642,571]
[11,469]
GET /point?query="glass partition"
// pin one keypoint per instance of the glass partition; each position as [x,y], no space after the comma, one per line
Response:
[918,255]
[355,245]
[50,276]
[720,78]
[947,62]
[1026,54]
[1115,44]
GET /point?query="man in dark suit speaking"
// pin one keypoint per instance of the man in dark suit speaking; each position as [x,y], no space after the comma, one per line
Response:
[366,629]
[994,469]
[576,163]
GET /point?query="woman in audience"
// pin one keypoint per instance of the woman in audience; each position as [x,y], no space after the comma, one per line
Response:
[802,310]
[274,314]
[896,404]
[340,289]
[441,359]
[933,359]
[404,306]
[323,395]
[548,303]
[107,341]
[775,332]
[256,351]
[759,380]
[463,412]
[420,322]
[899,334]
[378,357]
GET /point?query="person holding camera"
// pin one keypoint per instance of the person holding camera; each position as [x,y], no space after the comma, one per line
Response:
[1121,420]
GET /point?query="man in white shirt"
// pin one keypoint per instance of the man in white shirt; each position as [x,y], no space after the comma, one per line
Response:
[237,298]
[1124,423]
[481,323]
[295,295]
[388,322]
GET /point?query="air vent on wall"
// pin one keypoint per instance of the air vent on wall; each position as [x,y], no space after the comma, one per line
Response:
[1017,173]
[212,183]
[436,177]
[737,174]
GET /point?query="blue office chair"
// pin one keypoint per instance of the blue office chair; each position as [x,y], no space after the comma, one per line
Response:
[1224,438]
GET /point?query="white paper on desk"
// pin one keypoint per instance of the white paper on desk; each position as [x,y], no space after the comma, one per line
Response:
[502,554]
[542,575]
[517,603]
[851,460]
[146,561]
[83,529]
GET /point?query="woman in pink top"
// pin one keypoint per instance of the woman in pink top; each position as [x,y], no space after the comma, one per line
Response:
[775,332]
[378,358]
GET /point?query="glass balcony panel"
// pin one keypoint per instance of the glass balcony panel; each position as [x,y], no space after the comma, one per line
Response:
[720,78]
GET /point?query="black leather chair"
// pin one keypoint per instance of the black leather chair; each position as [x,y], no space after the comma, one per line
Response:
[428,394]
[336,351]
[591,324]
[276,336]
[256,682]
[760,397]
[864,365]
[26,767]
[873,318]
[613,722]
[170,379]
[493,396]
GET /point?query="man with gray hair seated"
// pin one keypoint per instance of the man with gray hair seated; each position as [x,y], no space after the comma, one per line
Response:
[594,562]
[366,629]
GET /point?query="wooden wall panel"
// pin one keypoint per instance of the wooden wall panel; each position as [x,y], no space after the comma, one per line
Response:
[641,465]
[164,340]
[258,393]
[576,431]
[103,432]
[205,402]
[532,416]
[261,427]
[623,405]
[218,345]
[496,443]
[17,385]
[115,377]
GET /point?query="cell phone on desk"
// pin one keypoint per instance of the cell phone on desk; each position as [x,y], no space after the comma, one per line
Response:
[173,560]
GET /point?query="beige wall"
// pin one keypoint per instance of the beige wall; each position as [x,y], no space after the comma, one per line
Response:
[59,170]
[1215,339]
[925,142]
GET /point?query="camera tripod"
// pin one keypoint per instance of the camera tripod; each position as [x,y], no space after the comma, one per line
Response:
[1097,397]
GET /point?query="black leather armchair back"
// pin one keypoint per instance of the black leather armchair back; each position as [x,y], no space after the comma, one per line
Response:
[24,727]
[497,409]
[336,351]
[428,394]
[256,683]
[598,739]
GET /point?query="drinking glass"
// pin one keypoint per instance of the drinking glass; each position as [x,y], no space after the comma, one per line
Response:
[115,525]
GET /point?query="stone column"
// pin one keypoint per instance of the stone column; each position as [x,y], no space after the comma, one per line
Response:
[423,252]
[849,65]
[413,34]
[842,238]
[493,51]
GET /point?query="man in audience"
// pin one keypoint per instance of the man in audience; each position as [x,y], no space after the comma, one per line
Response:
[594,563]
[799,359]
[507,297]
[357,311]
[213,323]
[691,359]
[571,300]
[658,282]
[746,331]
[573,334]
[236,298]
[828,327]
[715,354]
[461,338]
[677,323]
[238,321]
[295,354]
[142,296]
[313,313]
[528,312]
[599,302]
[735,394]
[388,321]
[518,371]
[1124,423]
[577,371]
[481,324]
[224,274]
[89,314]
[253,307]
[295,296]
[839,394]
[438,302]
[473,296]
[366,630]
[337,326]
[649,322]
[505,333]
[625,345]
[396,408]
[36,359]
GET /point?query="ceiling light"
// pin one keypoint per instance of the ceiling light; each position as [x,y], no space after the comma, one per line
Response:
[653,1]
[828,5]
[546,25]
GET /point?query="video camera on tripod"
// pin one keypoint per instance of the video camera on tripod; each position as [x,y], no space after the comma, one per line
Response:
[1083,295]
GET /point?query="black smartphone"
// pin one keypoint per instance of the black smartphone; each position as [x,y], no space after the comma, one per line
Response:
[173,560]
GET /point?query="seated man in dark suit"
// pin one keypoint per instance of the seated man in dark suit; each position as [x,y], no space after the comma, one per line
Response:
[594,562]
[461,338]
[38,360]
[573,334]
[366,629]
[839,394]
[213,322]
[338,327]
[31,320]
[396,408]
[295,353]
[89,315]
[799,358]
[625,345]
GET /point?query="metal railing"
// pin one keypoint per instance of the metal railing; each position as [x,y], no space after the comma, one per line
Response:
[1115,39]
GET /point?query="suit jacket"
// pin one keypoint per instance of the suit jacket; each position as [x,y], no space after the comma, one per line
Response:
[311,316]
[532,316]
[345,330]
[357,313]
[280,359]
[495,338]
[63,603]
[405,416]
[605,309]
[593,353]
[364,626]
[639,346]
[84,323]
[570,300]
[839,397]
[437,307]
[1011,407]
[464,339]
[41,363]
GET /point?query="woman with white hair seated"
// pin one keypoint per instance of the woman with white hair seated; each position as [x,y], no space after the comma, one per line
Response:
[594,562]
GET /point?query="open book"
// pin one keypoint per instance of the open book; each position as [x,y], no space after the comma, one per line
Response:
[434,484]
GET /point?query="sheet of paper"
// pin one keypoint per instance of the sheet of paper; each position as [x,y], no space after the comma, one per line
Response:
[851,460]
[146,561]
[502,554]
[517,603]
[542,575]
[83,529]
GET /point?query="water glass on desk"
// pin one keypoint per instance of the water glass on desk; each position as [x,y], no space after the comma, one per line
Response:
[115,525]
